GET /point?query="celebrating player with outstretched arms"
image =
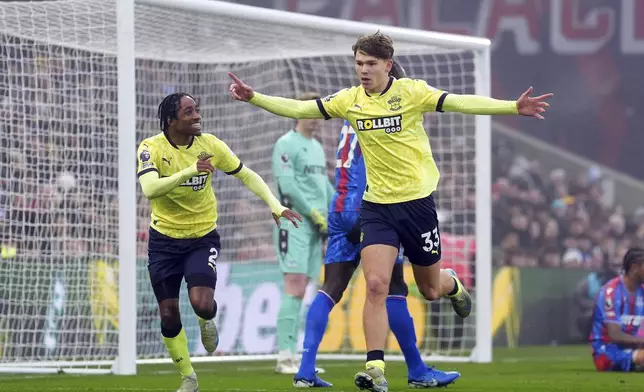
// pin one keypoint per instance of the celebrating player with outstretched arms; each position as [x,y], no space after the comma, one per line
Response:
[342,259]
[175,172]
[398,207]
[619,312]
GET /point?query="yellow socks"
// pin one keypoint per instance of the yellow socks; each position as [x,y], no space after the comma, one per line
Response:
[178,350]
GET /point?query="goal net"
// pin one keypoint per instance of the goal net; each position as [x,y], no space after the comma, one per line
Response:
[59,188]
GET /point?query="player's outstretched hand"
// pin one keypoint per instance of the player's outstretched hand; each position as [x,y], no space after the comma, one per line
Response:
[292,216]
[533,106]
[239,90]
[204,165]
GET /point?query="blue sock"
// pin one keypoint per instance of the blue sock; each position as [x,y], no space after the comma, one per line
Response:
[317,319]
[402,326]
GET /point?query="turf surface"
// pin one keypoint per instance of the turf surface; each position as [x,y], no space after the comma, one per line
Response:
[566,368]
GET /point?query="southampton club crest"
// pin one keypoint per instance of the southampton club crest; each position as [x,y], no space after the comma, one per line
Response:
[394,103]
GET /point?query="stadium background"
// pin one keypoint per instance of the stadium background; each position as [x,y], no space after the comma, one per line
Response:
[553,190]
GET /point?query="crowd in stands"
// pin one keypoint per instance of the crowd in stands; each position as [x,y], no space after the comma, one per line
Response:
[555,218]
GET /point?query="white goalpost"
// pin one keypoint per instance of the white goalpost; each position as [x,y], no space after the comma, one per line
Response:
[80,81]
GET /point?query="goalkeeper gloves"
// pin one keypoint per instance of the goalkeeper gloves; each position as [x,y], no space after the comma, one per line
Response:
[319,221]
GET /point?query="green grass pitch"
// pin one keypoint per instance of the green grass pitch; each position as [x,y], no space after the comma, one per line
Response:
[525,369]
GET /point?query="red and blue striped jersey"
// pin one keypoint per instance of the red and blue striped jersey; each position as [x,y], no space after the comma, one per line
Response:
[615,304]
[350,175]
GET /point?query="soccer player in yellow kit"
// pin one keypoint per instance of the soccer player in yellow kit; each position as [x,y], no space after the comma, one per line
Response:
[398,207]
[175,172]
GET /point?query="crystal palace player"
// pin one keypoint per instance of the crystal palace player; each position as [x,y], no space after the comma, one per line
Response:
[619,311]
[342,258]
[398,206]
[175,171]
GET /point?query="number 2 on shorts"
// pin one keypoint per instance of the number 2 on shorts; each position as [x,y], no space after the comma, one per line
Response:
[212,259]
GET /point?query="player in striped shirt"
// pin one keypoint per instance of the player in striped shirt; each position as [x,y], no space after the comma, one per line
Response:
[341,261]
[616,338]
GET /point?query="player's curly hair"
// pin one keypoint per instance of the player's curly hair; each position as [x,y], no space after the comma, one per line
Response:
[397,70]
[169,108]
[378,45]
[634,256]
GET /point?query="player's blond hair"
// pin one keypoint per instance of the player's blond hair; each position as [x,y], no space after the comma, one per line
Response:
[378,45]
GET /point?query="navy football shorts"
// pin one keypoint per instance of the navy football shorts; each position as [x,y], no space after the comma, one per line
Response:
[339,249]
[172,259]
[412,224]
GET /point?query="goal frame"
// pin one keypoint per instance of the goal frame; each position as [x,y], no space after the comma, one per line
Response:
[126,361]
[482,352]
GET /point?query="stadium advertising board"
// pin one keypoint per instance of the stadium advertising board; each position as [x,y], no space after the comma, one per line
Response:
[531,307]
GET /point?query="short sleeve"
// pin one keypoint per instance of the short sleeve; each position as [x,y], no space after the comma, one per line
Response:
[335,105]
[283,160]
[147,158]
[429,99]
[610,304]
[225,159]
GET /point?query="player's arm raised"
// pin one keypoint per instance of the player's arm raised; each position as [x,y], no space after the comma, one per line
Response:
[231,165]
[478,104]
[285,107]
[432,99]
[153,186]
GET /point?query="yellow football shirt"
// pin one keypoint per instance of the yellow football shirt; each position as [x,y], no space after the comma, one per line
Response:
[190,210]
[398,158]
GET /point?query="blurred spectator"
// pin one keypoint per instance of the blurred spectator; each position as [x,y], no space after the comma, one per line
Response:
[560,222]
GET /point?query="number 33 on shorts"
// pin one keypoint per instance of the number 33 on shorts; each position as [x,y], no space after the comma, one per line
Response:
[432,242]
